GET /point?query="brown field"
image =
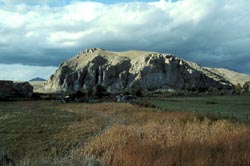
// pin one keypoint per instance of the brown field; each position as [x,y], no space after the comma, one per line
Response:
[115,134]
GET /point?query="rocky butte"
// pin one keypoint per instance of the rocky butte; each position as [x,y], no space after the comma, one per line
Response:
[133,69]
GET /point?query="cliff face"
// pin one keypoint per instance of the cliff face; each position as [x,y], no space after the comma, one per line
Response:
[127,70]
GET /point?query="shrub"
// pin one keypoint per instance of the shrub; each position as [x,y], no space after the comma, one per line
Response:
[99,91]
[145,104]
[138,92]
[238,88]
[211,102]
[89,92]
[246,87]
[79,94]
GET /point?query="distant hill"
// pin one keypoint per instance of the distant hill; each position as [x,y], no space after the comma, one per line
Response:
[129,70]
[37,79]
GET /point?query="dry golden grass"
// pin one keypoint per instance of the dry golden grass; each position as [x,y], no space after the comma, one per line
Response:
[124,113]
[155,144]
[153,138]
[120,134]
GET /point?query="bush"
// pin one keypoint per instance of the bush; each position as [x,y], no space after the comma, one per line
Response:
[246,87]
[211,102]
[89,92]
[99,91]
[79,94]
[137,92]
[238,88]
[145,104]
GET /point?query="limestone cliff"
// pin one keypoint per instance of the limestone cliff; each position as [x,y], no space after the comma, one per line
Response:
[130,69]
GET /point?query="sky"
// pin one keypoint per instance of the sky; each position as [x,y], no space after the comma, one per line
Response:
[36,36]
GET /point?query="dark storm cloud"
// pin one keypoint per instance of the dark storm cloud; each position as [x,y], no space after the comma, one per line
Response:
[211,33]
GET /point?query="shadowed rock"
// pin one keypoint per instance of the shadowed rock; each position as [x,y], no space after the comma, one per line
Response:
[129,70]
[9,89]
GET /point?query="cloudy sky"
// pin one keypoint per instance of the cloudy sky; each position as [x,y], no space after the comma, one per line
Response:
[36,36]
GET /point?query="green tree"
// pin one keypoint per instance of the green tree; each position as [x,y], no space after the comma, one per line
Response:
[99,91]
[89,92]
[246,86]
[138,93]
[79,94]
[238,88]
[137,90]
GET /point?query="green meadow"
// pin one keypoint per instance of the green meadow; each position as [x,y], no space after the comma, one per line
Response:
[227,107]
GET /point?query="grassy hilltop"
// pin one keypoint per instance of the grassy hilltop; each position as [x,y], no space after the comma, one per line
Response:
[112,134]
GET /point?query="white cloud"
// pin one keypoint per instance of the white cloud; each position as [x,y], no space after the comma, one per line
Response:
[20,72]
[14,2]
[208,31]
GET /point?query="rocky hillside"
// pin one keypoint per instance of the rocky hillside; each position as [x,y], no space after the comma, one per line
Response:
[10,89]
[132,69]
[231,76]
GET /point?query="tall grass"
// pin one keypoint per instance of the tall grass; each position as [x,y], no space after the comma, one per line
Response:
[193,143]
[115,134]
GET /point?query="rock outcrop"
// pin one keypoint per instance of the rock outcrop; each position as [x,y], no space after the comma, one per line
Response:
[10,89]
[231,76]
[131,69]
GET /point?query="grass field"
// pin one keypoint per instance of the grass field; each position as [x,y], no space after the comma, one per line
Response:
[229,107]
[31,131]
[111,134]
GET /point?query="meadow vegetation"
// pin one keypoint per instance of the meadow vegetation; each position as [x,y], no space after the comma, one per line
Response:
[235,108]
[112,134]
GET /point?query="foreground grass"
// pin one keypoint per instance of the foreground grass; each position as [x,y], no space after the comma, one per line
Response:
[157,144]
[111,134]
[31,131]
[169,138]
